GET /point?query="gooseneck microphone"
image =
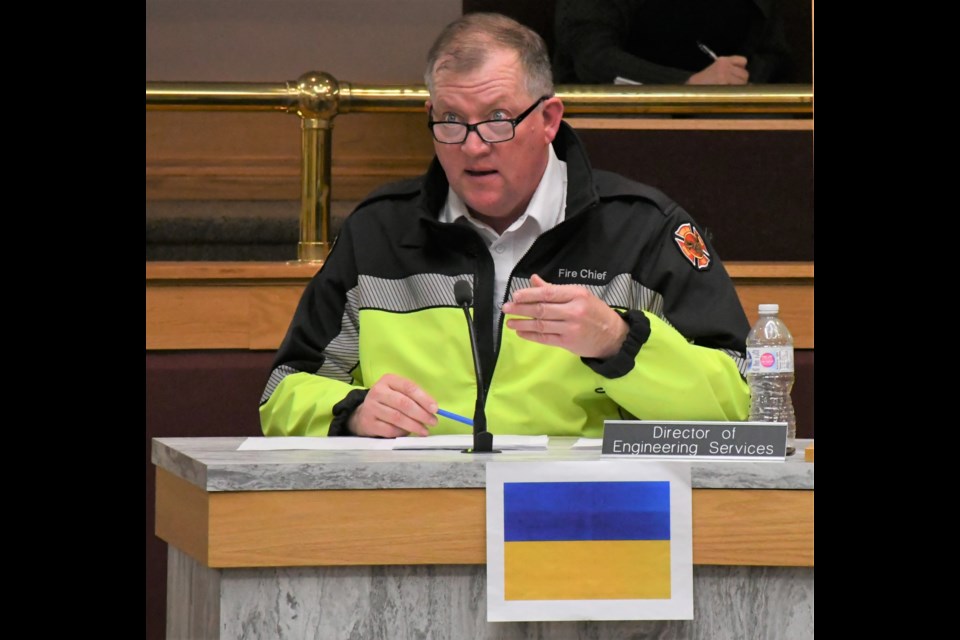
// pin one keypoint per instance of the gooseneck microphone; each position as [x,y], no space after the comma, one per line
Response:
[482,439]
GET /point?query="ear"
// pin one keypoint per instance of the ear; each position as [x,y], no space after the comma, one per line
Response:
[552,115]
[427,106]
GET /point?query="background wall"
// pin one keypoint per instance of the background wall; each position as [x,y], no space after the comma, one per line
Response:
[367,41]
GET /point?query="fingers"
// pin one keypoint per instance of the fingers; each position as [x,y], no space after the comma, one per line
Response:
[566,316]
[368,426]
[733,70]
[537,281]
[542,291]
[544,301]
[595,331]
[394,407]
[724,70]
[539,326]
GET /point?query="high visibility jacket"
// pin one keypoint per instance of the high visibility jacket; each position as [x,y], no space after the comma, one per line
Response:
[384,303]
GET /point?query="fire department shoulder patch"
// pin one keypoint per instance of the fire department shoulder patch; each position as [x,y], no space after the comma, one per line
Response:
[692,246]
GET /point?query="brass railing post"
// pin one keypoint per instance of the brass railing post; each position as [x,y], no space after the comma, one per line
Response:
[319,97]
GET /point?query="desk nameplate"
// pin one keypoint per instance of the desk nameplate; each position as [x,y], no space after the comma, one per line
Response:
[695,440]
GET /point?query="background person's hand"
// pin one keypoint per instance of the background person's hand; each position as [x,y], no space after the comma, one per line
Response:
[724,70]
[567,316]
[394,407]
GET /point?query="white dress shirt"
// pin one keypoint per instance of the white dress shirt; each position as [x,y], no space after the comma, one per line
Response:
[545,211]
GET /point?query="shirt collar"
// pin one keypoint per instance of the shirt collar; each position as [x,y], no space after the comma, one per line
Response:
[545,208]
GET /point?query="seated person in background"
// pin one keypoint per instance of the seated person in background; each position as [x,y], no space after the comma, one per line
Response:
[595,297]
[670,42]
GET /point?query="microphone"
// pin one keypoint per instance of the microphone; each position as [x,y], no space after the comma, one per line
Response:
[482,439]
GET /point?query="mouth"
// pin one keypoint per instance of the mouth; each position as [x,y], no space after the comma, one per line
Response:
[475,173]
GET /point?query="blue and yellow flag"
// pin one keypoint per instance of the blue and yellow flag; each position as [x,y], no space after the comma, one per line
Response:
[586,540]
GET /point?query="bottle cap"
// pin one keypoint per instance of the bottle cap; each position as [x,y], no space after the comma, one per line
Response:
[768,309]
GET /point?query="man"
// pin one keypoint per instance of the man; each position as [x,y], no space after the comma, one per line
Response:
[670,41]
[613,305]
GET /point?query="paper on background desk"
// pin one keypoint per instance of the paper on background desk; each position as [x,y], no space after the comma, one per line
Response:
[464,441]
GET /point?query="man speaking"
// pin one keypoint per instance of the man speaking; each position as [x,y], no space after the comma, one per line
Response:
[593,297]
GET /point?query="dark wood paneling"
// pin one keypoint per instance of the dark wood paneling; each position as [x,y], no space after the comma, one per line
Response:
[751,190]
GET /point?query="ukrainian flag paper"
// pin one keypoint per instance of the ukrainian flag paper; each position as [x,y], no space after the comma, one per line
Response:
[603,540]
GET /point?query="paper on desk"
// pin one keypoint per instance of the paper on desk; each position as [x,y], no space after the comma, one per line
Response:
[465,441]
[622,80]
[588,443]
[320,444]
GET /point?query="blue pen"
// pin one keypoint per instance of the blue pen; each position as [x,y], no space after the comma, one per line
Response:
[455,416]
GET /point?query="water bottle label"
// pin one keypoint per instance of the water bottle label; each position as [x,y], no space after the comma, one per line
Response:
[769,360]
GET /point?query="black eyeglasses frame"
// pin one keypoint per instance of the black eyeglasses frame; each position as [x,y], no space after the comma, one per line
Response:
[468,127]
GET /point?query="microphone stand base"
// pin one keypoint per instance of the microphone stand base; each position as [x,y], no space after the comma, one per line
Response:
[482,443]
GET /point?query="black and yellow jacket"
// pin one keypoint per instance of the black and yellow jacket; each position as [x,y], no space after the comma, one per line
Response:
[384,303]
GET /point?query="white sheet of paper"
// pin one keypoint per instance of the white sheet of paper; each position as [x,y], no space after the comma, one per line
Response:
[588,443]
[465,441]
[458,441]
[318,444]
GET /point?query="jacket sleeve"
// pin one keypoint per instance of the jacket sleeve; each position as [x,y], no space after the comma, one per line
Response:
[684,356]
[669,378]
[592,36]
[316,382]
[769,58]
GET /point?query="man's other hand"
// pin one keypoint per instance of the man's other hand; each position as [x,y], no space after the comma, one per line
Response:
[394,407]
[567,316]
[724,70]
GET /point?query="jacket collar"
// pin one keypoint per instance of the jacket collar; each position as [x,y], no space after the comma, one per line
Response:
[581,190]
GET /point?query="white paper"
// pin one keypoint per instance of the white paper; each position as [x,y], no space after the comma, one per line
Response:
[318,444]
[678,607]
[622,80]
[458,442]
[465,441]
[588,443]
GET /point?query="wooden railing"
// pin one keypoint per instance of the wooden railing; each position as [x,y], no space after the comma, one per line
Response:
[317,98]
[248,305]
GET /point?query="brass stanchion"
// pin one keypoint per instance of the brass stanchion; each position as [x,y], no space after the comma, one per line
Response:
[316,139]
[319,96]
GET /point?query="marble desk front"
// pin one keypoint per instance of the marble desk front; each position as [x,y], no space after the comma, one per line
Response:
[391,544]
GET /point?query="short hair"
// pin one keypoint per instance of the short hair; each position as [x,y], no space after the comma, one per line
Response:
[465,44]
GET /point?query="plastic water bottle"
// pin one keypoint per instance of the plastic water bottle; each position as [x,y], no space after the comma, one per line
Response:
[770,372]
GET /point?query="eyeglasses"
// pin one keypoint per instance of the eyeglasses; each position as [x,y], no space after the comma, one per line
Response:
[490,131]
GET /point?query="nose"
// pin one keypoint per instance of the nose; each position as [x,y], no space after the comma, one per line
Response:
[474,144]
